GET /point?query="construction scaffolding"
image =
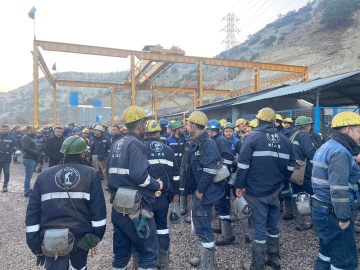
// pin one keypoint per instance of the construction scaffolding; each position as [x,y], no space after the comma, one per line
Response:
[152,61]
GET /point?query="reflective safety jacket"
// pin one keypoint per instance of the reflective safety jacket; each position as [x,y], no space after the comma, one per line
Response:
[265,162]
[50,207]
[17,136]
[225,150]
[163,165]
[100,147]
[129,168]
[7,147]
[177,145]
[288,132]
[304,149]
[203,165]
[164,136]
[235,148]
[317,138]
[40,142]
[334,171]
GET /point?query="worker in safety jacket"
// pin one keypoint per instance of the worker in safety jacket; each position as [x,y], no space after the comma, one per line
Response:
[163,165]
[203,164]
[264,164]
[222,206]
[129,169]
[240,127]
[17,135]
[177,142]
[40,141]
[304,150]
[50,207]
[334,172]
[315,135]
[163,134]
[7,147]
[289,130]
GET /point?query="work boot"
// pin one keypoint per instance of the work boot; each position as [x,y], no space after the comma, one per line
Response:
[217,229]
[301,225]
[183,205]
[135,258]
[226,233]
[195,262]
[273,252]
[39,169]
[207,259]
[258,257]
[288,211]
[247,238]
[187,219]
[5,188]
[163,261]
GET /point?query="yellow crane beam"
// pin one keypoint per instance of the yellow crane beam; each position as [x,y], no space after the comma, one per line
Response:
[138,87]
[158,57]
[152,72]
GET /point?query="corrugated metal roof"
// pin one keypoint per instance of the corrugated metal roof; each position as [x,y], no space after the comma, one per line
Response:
[302,87]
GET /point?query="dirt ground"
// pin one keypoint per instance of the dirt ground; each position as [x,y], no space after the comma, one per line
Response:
[298,249]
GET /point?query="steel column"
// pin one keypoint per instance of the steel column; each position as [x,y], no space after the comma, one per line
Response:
[257,78]
[36,84]
[317,113]
[194,100]
[200,83]
[112,105]
[132,71]
[54,105]
[155,108]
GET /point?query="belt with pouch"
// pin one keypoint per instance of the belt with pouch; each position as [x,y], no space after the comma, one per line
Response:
[326,208]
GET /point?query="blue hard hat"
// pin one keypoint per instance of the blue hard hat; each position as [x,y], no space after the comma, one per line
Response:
[169,126]
[65,128]
[77,129]
[163,121]
[71,123]
[214,124]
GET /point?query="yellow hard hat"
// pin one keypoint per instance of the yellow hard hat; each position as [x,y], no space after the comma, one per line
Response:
[279,117]
[320,134]
[344,119]
[288,120]
[240,121]
[85,130]
[132,114]
[199,118]
[266,114]
[152,126]
[222,122]
[253,123]
[39,130]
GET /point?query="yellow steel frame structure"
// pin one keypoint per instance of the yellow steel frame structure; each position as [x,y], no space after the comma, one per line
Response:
[161,60]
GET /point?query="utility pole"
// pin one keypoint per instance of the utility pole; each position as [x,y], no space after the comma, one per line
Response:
[230,41]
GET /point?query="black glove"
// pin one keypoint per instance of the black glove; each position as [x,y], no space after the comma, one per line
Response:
[89,241]
[40,260]
[142,227]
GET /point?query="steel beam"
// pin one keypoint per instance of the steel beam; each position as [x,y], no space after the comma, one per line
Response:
[36,84]
[152,72]
[257,79]
[138,87]
[155,102]
[93,50]
[132,72]
[46,70]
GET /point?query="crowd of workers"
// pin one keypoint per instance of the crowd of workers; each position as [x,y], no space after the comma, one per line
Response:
[154,168]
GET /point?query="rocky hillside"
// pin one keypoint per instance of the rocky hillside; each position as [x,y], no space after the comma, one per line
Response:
[298,38]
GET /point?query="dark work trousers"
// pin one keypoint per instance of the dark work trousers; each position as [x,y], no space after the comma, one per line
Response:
[201,218]
[222,206]
[125,240]
[296,189]
[77,257]
[265,216]
[160,209]
[285,193]
[5,167]
[40,158]
[337,246]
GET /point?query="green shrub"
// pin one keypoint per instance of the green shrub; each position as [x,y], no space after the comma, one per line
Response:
[269,41]
[254,56]
[338,13]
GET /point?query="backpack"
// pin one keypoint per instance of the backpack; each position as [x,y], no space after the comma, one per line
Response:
[297,176]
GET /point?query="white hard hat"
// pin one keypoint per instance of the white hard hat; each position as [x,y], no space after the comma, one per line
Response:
[98,127]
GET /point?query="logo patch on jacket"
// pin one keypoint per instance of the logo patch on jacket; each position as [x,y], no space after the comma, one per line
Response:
[67,180]
[118,146]
[156,146]
[274,138]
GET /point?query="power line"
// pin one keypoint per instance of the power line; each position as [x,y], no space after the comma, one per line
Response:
[257,10]
[244,7]
[260,13]
[252,5]
[235,4]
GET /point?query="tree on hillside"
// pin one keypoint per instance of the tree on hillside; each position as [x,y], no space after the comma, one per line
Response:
[338,13]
